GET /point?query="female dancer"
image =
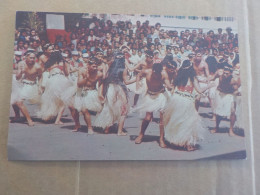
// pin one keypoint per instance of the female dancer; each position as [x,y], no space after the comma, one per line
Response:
[116,104]
[182,123]
[51,102]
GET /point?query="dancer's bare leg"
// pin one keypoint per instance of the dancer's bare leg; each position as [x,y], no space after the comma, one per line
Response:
[197,104]
[25,112]
[120,126]
[190,148]
[218,120]
[58,121]
[75,116]
[144,126]
[161,141]
[87,118]
[16,112]
[136,97]
[212,105]
[232,122]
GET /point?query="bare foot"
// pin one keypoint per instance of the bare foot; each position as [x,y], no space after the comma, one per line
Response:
[121,133]
[76,128]
[139,139]
[15,120]
[213,118]
[231,133]
[106,131]
[90,131]
[190,148]
[162,144]
[213,131]
[31,123]
[59,123]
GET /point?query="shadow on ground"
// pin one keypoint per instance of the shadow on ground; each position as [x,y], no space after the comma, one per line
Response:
[238,131]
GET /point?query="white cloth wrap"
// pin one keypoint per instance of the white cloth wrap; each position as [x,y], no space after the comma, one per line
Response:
[16,90]
[224,104]
[202,84]
[182,123]
[152,103]
[30,91]
[212,95]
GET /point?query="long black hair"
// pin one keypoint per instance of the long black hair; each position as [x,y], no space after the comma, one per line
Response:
[55,57]
[185,73]
[115,73]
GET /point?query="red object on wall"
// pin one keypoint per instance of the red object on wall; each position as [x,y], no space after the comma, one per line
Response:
[53,33]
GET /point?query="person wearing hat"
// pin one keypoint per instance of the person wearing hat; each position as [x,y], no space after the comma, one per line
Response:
[85,57]
[225,102]
[154,100]
[29,72]
[75,65]
[156,58]
[17,59]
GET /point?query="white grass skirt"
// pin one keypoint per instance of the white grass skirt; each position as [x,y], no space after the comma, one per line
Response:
[182,123]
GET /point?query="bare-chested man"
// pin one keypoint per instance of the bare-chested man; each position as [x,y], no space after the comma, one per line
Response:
[202,74]
[225,102]
[144,64]
[30,73]
[87,98]
[155,98]
[102,66]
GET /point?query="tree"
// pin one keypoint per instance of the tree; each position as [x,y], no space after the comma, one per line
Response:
[30,20]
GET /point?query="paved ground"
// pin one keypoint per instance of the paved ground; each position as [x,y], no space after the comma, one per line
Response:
[46,141]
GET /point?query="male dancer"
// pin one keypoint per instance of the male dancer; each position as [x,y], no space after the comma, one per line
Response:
[203,77]
[225,103]
[88,98]
[145,64]
[155,98]
[29,72]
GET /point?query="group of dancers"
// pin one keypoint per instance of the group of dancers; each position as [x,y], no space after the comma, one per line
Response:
[96,85]
[99,82]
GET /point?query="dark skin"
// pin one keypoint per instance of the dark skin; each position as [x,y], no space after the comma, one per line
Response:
[235,83]
[148,63]
[88,78]
[155,82]
[171,71]
[121,121]
[30,71]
